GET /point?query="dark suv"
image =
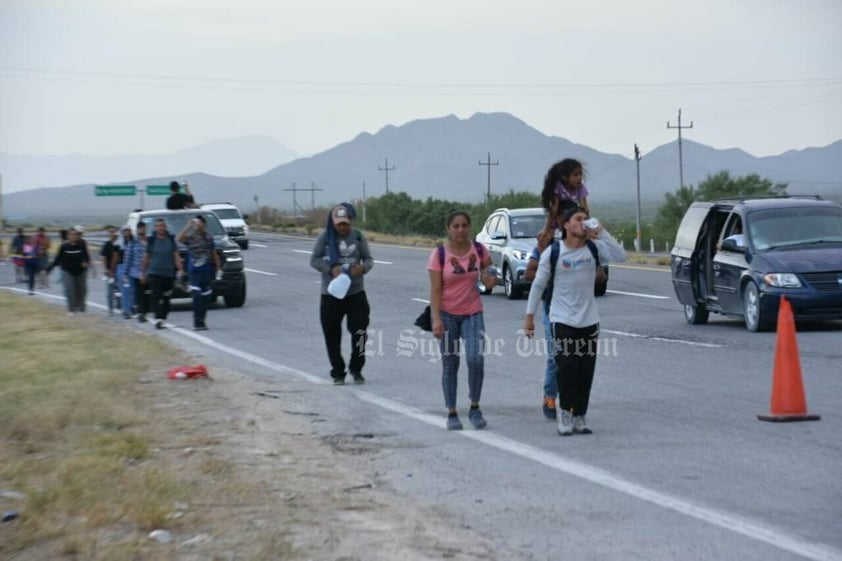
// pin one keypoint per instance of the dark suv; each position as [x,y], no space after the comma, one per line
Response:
[232,287]
[737,257]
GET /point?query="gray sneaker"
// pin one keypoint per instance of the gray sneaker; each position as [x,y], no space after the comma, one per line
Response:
[476,418]
[453,423]
[565,423]
[580,425]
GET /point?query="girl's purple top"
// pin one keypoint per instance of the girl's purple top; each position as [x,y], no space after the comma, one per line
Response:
[563,194]
[575,196]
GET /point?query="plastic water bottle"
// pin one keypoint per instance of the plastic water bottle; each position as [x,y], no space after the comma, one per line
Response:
[591,223]
[338,287]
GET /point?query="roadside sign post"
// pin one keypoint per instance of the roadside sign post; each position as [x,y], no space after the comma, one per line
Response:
[157,189]
[114,190]
[130,191]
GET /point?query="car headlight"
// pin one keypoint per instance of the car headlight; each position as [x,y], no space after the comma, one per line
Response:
[782,280]
[246,230]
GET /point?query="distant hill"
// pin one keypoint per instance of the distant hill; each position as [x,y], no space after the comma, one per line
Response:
[235,157]
[440,158]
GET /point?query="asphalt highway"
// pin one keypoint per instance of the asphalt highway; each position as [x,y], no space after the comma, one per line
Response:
[678,466]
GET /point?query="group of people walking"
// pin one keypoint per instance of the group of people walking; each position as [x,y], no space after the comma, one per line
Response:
[143,268]
[565,268]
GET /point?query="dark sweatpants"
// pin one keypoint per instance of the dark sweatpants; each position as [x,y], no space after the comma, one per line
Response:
[331,312]
[161,292]
[575,354]
[141,296]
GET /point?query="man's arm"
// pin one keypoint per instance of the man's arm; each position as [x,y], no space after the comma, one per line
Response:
[317,258]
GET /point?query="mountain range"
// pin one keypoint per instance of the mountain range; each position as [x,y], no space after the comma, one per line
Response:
[441,158]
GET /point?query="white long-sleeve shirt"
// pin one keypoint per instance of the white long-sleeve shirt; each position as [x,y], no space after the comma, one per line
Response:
[573,302]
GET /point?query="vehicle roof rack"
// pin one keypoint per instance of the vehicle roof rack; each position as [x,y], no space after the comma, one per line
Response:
[758,197]
[219,203]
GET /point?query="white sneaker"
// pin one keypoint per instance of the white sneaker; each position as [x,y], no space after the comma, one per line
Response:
[565,423]
[580,425]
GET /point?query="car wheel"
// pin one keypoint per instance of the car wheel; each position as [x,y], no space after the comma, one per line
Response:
[512,293]
[752,311]
[245,244]
[696,315]
[237,297]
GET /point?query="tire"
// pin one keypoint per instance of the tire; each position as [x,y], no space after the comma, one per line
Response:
[237,297]
[511,291]
[753,311]
[696,315]
[245,245]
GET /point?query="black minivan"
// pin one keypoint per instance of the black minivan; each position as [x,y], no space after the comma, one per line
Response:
[737,257]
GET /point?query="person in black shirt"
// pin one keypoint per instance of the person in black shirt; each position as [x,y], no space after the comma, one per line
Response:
[73,258]
[179,201]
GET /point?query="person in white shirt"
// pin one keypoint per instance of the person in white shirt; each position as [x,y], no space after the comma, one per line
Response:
[573,313]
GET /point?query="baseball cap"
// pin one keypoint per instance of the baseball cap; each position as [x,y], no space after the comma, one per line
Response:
[340,215]
[79,228]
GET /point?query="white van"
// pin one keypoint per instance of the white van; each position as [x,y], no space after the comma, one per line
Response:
[233,222]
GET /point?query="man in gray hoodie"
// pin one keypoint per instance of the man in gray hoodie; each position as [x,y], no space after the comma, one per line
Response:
[341,250]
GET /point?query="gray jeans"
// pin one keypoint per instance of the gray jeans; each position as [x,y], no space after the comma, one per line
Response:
[75,290]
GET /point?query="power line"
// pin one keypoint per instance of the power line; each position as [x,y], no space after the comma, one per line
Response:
[237,80]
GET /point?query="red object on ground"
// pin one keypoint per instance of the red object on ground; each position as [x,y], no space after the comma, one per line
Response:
[188,372]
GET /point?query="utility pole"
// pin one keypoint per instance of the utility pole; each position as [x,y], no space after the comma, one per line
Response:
[363,202]
[387,169]
[257,209]
[488,165]
[680,159]
[312,190]
[295,190]
[637,239]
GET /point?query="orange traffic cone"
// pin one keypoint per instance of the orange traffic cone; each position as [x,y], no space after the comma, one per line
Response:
[788,402]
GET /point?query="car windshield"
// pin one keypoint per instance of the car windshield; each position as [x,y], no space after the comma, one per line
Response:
[175,222]
[789,227]
[527,226]
[227,213]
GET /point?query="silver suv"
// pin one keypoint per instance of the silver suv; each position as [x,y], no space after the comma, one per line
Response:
[510,235]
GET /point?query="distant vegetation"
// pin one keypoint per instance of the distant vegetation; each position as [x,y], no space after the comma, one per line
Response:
[718,186]
[401,215]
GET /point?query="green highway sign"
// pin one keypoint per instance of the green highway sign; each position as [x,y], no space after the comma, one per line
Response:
[157,189]
[114,190]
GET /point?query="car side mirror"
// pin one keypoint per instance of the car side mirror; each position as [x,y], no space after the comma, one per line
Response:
[245,217]
[731,245]
[498,236]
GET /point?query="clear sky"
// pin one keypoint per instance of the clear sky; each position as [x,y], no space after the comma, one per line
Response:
[154,76]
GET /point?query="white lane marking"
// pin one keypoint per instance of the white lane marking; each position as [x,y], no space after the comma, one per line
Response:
[310,253]
[261,272]
[771,535]
[663,339]
[257,244]
[653,296]
[722,519]
[423,301]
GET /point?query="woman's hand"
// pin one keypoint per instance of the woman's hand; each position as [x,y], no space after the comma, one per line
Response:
[438,328]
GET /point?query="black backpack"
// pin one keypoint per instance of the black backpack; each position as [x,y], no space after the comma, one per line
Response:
[555,249]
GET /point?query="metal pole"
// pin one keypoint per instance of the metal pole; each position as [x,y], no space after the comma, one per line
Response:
[680,150]
[637,239]
[364,202]
[680,153]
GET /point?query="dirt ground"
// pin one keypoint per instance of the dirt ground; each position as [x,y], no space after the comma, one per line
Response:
[296,504]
